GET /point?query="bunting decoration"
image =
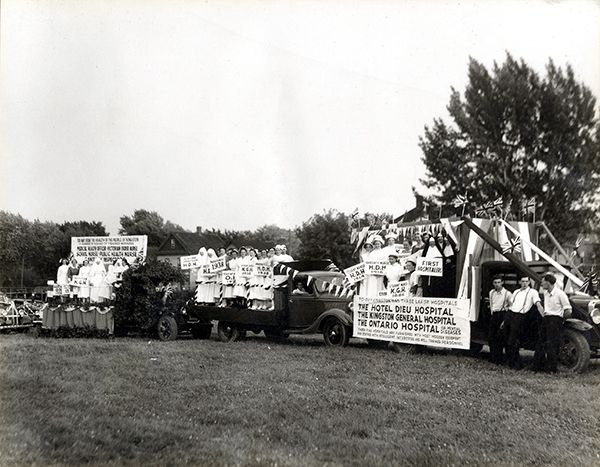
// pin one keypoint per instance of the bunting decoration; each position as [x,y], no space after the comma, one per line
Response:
[341,291]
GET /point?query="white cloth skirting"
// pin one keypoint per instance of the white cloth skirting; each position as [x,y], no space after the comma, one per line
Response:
[206,291]
[240,289]
[371,286]
[84,291]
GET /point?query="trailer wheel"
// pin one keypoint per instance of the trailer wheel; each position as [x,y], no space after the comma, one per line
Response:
[201,331]
[335,333]
[166,328]
[574,352]
[229,332]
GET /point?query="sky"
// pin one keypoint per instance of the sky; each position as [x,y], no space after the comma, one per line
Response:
[236,114]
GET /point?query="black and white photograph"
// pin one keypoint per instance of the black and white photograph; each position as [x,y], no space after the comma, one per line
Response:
[299,233]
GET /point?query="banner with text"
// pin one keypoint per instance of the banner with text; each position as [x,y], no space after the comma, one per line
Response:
[398,289]
[355,273]
[228,278]
[130,247]
[246,270]
[218,265]
[262,270]
[79,281]
[375,268]
[189,262]
[430,266]
[437,322]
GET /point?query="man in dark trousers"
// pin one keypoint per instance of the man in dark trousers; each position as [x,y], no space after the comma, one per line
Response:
[522,301]
[500,301]
[556,308]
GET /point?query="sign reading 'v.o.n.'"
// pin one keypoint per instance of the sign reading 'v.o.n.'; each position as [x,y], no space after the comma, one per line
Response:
[131,247]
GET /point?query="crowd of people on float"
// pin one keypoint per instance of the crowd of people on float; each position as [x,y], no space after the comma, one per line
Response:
[391,250]
[252,291]
[96,283]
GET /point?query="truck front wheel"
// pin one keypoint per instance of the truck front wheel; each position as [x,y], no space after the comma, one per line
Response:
[166,328]
[336,333]
[574,353]
[229,332]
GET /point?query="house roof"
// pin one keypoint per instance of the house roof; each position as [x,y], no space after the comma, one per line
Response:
[188,243]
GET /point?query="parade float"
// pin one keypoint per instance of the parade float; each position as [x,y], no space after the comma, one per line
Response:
[453,311]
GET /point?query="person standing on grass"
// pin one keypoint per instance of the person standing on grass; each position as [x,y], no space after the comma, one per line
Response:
[523,300]
[500,300]
[556,308]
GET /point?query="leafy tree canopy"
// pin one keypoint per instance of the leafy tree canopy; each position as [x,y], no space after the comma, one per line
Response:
[516,135]
[150,223]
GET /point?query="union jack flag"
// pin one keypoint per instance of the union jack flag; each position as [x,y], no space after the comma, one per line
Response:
[528,206]
[485,210]
[590,284]
[578,243]
[459,201]
[512,246]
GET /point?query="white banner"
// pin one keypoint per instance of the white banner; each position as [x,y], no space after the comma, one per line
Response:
[79,281]
[228,278]
[218,265]
[436,322]
[375,268]
[189,262]
[246,270]
[430,266]
[355,273]
[262,270]
[130,247]
[398,289]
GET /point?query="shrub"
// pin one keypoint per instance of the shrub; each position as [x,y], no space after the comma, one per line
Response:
[146,292]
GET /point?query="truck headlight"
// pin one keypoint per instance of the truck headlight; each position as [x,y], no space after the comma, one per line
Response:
[595,314]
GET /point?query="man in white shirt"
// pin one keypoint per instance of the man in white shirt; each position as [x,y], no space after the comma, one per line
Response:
[500,301]
[556,308]
[522,301]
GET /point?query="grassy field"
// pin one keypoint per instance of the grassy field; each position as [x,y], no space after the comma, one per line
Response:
[140,402]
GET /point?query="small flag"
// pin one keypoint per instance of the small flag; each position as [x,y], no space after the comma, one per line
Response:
[459,201]
[498,203]
[485,210]
[512,246]
[590,283]
[578,243]
[354,214]
[529,206]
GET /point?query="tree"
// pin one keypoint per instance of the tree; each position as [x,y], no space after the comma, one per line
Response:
[326,236]
[31,250]
[149,223]
[517,136]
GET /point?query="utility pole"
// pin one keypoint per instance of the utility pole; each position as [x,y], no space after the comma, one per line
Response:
[22,267]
